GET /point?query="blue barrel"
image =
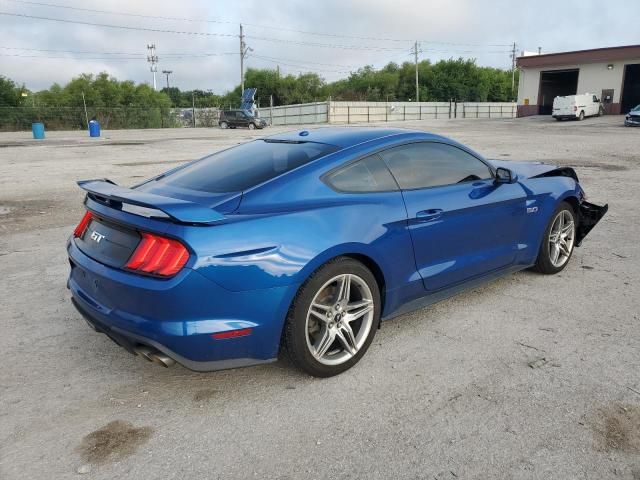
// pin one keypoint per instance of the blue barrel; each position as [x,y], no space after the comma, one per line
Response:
[94,128]
[38,130]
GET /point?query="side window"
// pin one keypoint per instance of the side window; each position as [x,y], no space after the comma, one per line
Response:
[367,175]
[423,165]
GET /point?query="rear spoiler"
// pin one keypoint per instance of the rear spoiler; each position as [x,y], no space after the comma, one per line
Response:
[105,191]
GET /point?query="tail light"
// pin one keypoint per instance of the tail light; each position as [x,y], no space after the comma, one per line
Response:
[158,255]
[82,226]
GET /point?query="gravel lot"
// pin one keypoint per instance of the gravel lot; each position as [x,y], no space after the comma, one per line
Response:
[528,377]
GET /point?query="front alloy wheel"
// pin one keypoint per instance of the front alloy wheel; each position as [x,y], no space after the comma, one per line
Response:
[333,319]
[558,241]
[561,238]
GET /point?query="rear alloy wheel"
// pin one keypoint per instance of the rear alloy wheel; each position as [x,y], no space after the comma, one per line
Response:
[581,116]
[558,242]
[223,125]
[333,319]
[252,126]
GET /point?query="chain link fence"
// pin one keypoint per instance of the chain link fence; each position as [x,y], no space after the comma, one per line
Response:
[113,118]
[75,118]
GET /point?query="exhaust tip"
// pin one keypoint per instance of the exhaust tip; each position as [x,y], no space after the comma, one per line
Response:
[154,356]
[162,359]
[144,352]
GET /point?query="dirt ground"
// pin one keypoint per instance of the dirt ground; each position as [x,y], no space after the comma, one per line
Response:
[529,377]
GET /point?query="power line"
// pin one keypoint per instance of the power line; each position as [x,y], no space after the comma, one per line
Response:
[184,32]
[270,27]
[304,62]
[325,45]
[124,27]
[45,57]
[81,52]
[116,59]
[303,67]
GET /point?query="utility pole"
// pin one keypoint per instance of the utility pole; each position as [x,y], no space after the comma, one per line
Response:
[243,54]
[152,58]
[241,61]
[415,53]
[513,70]
[167,73]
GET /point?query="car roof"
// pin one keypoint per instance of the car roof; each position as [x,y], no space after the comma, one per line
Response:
[345,137]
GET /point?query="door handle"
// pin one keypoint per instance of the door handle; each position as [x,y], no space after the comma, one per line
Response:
[429,215]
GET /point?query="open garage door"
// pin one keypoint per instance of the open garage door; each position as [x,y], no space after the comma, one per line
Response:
[630,88]
[556,83]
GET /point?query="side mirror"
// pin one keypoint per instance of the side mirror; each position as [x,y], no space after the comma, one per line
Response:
[504,175]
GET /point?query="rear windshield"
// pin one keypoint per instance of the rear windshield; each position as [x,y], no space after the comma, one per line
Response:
[246,165]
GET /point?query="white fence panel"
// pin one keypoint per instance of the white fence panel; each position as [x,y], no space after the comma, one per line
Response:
[342,113]
[369,112]
[305,113]
[487,110]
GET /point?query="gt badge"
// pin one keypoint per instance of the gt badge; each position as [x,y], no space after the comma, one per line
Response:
[96,236]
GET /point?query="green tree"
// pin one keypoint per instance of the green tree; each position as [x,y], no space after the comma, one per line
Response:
[9,93]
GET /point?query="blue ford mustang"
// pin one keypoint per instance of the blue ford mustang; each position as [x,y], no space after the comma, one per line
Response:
[305,241]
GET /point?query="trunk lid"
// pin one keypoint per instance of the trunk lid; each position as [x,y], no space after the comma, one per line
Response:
[111,234]
[199,209]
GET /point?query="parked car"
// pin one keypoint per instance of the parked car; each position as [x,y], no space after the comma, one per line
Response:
[633,117]
[308,240]
[576,107]
[240,118]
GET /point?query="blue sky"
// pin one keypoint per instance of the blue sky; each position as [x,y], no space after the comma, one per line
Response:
[355,33]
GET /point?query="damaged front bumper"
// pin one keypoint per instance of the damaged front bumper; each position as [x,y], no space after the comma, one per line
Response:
[588,216]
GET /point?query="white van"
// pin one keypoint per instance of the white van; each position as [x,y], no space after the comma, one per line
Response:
[576,106]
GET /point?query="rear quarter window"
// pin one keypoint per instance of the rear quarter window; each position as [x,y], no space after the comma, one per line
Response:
[246,165]
[367,175]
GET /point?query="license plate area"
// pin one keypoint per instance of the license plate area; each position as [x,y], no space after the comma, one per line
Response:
[108,243]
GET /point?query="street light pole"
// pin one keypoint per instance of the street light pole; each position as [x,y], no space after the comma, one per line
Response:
[167,73]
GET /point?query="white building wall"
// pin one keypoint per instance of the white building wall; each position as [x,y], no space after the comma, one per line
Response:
[592,78]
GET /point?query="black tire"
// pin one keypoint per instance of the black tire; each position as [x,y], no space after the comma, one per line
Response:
[224,125]
[295,331]
[581,116]
[543,262]
[252,126]
[558,119]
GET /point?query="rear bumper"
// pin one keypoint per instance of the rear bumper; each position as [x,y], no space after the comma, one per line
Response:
[131,341]
[179,316]
[565,117]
